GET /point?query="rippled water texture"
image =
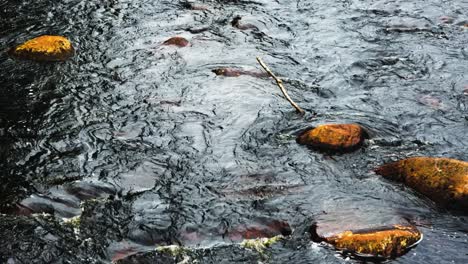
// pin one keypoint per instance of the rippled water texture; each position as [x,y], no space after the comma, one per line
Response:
[151,148]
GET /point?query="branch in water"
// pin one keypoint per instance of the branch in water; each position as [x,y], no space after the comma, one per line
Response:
[280,85]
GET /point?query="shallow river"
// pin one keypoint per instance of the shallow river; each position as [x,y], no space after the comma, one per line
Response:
[152,148]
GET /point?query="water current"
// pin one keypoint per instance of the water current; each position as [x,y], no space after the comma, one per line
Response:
[150,147]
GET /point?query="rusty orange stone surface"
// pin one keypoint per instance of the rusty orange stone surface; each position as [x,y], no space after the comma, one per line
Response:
[384,242]
[44,48]
[441,179]
[338,137]
[177,41]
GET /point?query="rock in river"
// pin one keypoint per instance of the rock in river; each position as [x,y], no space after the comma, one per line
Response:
[443,180]
[44,48]
[383,242]
[333,137]
[177,41]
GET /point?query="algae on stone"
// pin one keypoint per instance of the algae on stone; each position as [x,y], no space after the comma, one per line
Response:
[260,244]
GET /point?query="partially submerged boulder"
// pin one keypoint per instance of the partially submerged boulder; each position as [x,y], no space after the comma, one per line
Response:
[384,242]
[333,137]
[177,41]
[44,48]
[443,180]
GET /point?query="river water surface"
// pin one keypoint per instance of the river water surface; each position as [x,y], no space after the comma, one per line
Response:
[151,148]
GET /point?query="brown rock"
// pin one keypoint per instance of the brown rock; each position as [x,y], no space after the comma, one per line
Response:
[177,41]
[259,229]
[443,180]
[44,48]
[236,23]
[193,6]
[383,242]
[232,72]
[335,137]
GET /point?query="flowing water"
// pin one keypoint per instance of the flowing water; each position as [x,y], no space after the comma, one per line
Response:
[151,148]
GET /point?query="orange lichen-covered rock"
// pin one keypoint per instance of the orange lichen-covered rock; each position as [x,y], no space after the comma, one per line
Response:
[336,137]
[384,242]
[44,48]
[177,41]
[441,179]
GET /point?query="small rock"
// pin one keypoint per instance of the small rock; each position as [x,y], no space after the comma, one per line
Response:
[44,48]
[443,180]
[193,6]
[446,19]
[262,228]
[334,137]
[384,242]
[177,41]
[236,23]
[232,72]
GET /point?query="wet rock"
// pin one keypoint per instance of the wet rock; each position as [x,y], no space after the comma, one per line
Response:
[262,228]
[384,242]
[175,254]
[334,137]
[40,239]
[193,6]
[232,72]
[443,180]
[408,29]
[260,244]
[44,48]
[104,222]
[90,190]
[432,102]
[197,30]
[177,41]
[446,19]
[262,191]
[236,23]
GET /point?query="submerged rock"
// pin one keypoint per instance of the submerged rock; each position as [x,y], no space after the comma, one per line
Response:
[177,41]
[193,6]
[236,23]
[443,180]
[384,242]
[260,244]
[232,72]
[261,228]
[334,137]
[44,48]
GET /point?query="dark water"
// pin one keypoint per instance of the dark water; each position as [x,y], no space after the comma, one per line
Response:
[151,148]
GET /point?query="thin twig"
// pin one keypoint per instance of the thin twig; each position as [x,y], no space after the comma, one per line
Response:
[280,85]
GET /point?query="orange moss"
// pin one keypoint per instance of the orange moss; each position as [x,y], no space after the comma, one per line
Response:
[44,48]
[177,41]
[441,179]
[339,137]
[387,242]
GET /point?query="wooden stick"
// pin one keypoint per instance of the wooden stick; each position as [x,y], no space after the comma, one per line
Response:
[280,85]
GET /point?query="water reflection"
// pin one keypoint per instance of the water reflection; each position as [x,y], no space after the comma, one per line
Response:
[153,148]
